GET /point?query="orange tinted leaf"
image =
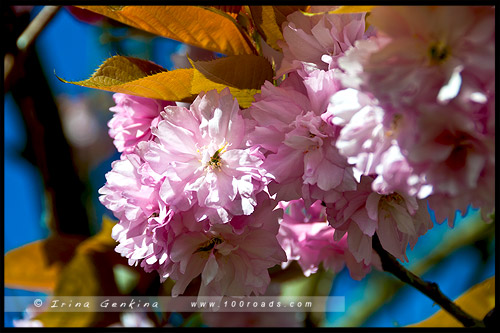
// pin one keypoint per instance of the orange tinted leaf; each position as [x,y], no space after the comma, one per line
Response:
[243,74]
[138,77]
[193,25]
[36,266]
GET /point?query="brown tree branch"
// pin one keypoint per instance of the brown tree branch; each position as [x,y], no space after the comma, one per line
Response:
[430,289]
[46,147]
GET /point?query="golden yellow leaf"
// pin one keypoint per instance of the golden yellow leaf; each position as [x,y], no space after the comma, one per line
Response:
[245,97]
[265,21]
[37,265]
[477,302]
[193,25]
[139,77]
[269,19]
[243,74]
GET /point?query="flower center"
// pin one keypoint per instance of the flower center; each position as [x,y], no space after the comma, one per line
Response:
[394,197]
[209,245]
[394,125]
[438,53]
[215,161]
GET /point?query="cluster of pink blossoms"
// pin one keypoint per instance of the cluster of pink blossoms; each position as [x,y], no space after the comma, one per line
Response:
[369,129]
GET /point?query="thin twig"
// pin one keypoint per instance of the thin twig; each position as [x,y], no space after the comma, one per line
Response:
[464,234]
[430,289]
[13,62]
[35,27]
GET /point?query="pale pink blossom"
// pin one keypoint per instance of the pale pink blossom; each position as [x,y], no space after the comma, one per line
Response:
[318,40]
[419,50]
[230,263]
[307,238]
[445,146]
[298,136]
[232,258]
[370,145]
[132,120]
[132,194]
[202,154]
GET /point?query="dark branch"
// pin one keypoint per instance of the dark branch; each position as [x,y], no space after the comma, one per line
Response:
[430,289]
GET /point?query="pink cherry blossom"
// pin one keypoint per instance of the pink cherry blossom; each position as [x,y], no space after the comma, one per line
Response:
[372,146]
[230,263]
[446,147]
[298,136]
[131,193]
[202,154]
[417,52]
[232,258]
[318,40]
[307,238]
[132,120]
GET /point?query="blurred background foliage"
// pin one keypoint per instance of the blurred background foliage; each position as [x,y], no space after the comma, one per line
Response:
[80,151]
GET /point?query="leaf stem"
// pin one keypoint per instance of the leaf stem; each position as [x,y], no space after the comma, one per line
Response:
[430,289]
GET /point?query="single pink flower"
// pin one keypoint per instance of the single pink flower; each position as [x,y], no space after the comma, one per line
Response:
[371,145]
[202,154]
[445,146]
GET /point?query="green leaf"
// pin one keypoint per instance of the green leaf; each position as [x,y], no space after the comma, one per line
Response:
[193,25]
[477,302]
[126,278]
